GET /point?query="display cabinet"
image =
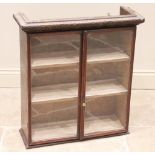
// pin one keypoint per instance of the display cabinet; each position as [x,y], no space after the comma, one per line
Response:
[76,77]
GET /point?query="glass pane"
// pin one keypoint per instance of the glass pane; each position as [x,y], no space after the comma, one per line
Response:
[55,72]
[108,63]
[105,113]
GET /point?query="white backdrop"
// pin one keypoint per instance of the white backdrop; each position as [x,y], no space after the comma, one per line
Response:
[144,66]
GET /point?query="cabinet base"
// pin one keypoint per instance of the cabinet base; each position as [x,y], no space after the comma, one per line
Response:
[69,140]
[24,138]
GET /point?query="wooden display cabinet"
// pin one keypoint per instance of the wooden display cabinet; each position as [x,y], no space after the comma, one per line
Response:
[76,77]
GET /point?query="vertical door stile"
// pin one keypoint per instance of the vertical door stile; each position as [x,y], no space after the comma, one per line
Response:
[80,87]
[83,81]
[29,90]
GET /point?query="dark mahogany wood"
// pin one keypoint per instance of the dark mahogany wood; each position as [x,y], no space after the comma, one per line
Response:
[83,82]
[29,90]
[70,140]
[80,87]
[128,19]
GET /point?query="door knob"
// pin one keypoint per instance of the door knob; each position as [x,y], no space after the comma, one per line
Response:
[84,104]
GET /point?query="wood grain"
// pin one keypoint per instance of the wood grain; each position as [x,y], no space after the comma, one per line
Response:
[127,17]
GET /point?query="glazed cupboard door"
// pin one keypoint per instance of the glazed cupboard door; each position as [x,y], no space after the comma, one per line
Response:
[108,80]
[54,86]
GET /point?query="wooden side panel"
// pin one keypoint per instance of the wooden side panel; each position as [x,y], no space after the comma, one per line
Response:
[24,82]
[130,75]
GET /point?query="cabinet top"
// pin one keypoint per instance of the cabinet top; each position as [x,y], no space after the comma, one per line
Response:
[127,17]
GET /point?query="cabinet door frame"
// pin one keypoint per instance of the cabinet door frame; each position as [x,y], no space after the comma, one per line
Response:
[84,69]
[51,140]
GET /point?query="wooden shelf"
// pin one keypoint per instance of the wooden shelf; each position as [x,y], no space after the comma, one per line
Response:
[104,123]
[57,129]
[115,56]
[104,88]
[53,59]
[54,129]
[67,91]
[69,58]
[105,53]
[56,92]
[53,55]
